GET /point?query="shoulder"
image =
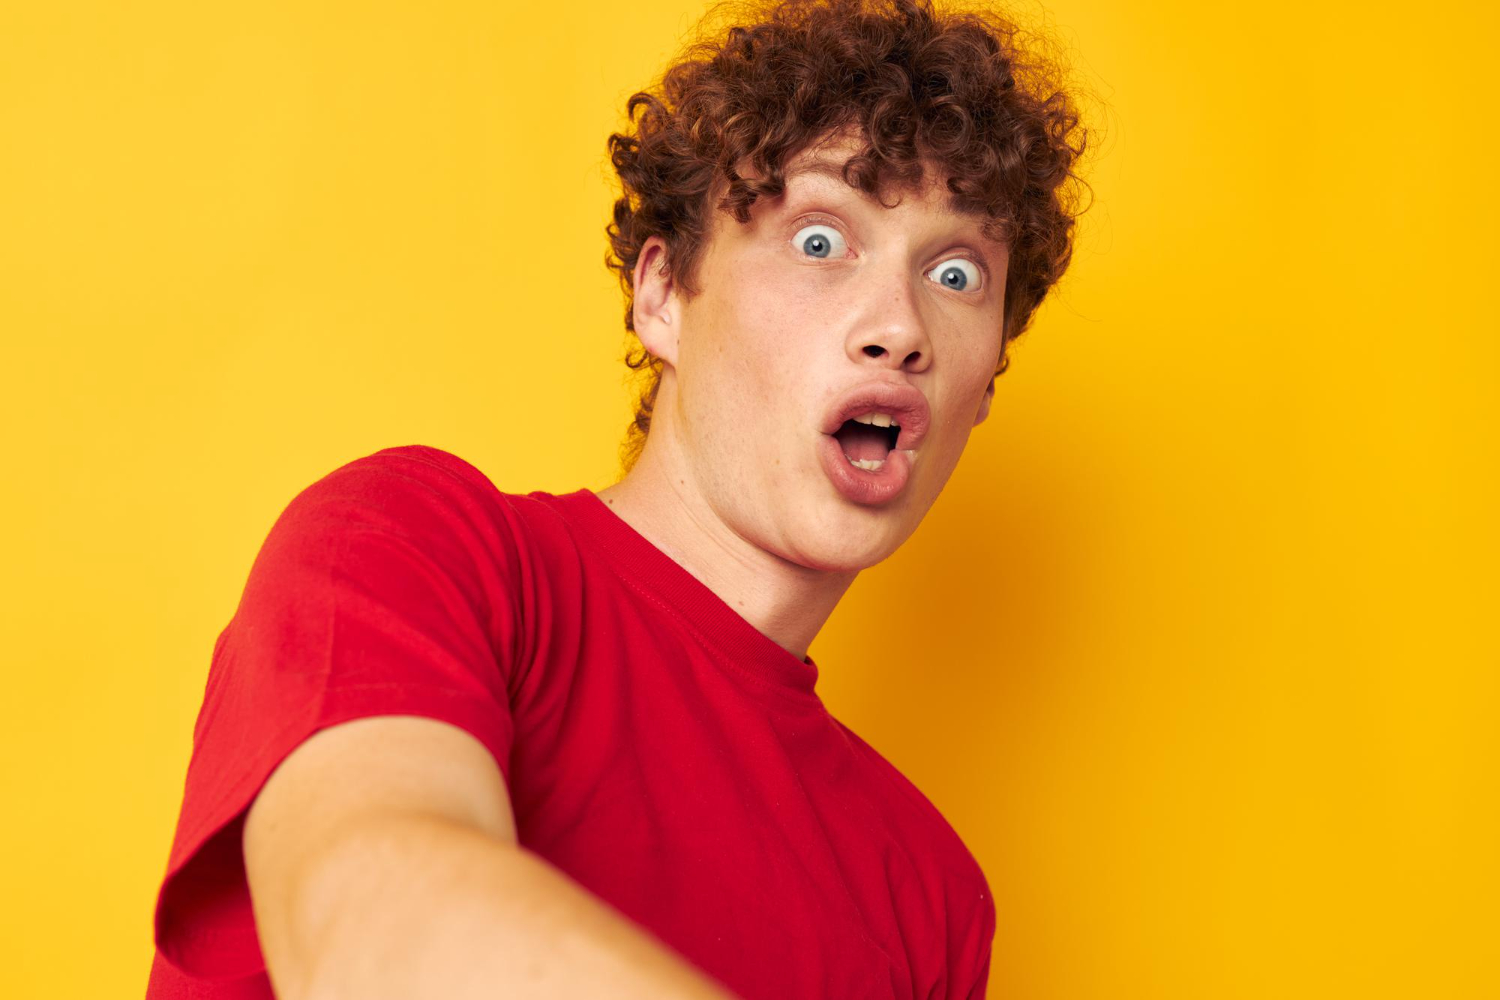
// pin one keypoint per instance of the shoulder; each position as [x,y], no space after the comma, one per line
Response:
[969,899]
[950,850]
[392,474]
[413,490]
[409,516]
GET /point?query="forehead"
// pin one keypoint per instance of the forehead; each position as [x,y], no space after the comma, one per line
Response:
[821,170]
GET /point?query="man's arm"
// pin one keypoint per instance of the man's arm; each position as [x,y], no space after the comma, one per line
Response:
[382,861]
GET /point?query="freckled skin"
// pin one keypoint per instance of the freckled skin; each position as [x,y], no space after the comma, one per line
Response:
[754,361]
[776,335]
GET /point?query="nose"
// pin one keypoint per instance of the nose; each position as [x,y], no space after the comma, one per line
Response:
[892,333]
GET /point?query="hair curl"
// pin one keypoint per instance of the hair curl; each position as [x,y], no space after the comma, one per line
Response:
[952,89]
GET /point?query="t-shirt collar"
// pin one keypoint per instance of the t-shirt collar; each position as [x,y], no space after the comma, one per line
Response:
[636,557]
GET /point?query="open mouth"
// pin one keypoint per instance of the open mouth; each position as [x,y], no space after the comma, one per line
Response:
[871,434]
[867,440]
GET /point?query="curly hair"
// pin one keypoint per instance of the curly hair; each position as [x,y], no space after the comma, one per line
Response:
[951,89]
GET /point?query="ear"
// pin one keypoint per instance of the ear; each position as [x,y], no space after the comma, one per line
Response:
[655,311]
[984,404]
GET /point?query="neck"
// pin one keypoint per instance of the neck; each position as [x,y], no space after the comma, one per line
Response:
[659,498]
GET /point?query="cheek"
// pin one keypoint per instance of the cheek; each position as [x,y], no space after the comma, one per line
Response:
[771,322]
[976,354]
[982,370]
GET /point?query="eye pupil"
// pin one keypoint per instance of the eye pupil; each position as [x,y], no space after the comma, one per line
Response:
[816,245]
[954,277]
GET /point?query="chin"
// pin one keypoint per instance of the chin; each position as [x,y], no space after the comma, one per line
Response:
[849,541]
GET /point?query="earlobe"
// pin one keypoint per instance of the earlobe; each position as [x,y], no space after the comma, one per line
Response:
[654,294]
[984,403]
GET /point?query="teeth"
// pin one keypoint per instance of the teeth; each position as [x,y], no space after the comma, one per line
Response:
[868,464]
[875,419]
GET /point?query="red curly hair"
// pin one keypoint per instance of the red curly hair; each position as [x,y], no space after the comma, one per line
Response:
[953,90]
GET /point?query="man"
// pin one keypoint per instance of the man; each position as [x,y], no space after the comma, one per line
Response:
[462,743]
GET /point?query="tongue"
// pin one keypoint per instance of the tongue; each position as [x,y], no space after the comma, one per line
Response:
[862,442]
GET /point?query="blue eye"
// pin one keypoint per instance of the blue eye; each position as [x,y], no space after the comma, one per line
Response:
[819,241]
[956,273]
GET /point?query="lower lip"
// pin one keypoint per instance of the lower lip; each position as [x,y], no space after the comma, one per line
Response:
[862,486]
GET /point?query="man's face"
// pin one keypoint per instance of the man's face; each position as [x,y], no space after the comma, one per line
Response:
[823,293]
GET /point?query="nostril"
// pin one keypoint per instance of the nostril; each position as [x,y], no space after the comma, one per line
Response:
[874,351]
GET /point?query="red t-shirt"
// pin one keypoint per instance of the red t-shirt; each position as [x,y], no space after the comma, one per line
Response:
[658,748]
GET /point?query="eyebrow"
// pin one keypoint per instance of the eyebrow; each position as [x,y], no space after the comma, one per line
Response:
[835,170]
[826,168]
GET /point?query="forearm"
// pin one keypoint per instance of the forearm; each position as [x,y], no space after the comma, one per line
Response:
[417,907]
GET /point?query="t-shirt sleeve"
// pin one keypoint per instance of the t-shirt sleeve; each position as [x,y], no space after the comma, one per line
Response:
[389,587]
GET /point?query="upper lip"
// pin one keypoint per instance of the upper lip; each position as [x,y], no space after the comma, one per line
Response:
[905,403]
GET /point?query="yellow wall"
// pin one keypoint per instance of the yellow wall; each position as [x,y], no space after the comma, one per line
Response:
[1196,650]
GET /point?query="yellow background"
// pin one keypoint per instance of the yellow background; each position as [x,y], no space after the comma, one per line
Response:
[1196,650]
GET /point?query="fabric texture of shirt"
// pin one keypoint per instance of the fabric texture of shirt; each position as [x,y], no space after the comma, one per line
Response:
[658,748]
